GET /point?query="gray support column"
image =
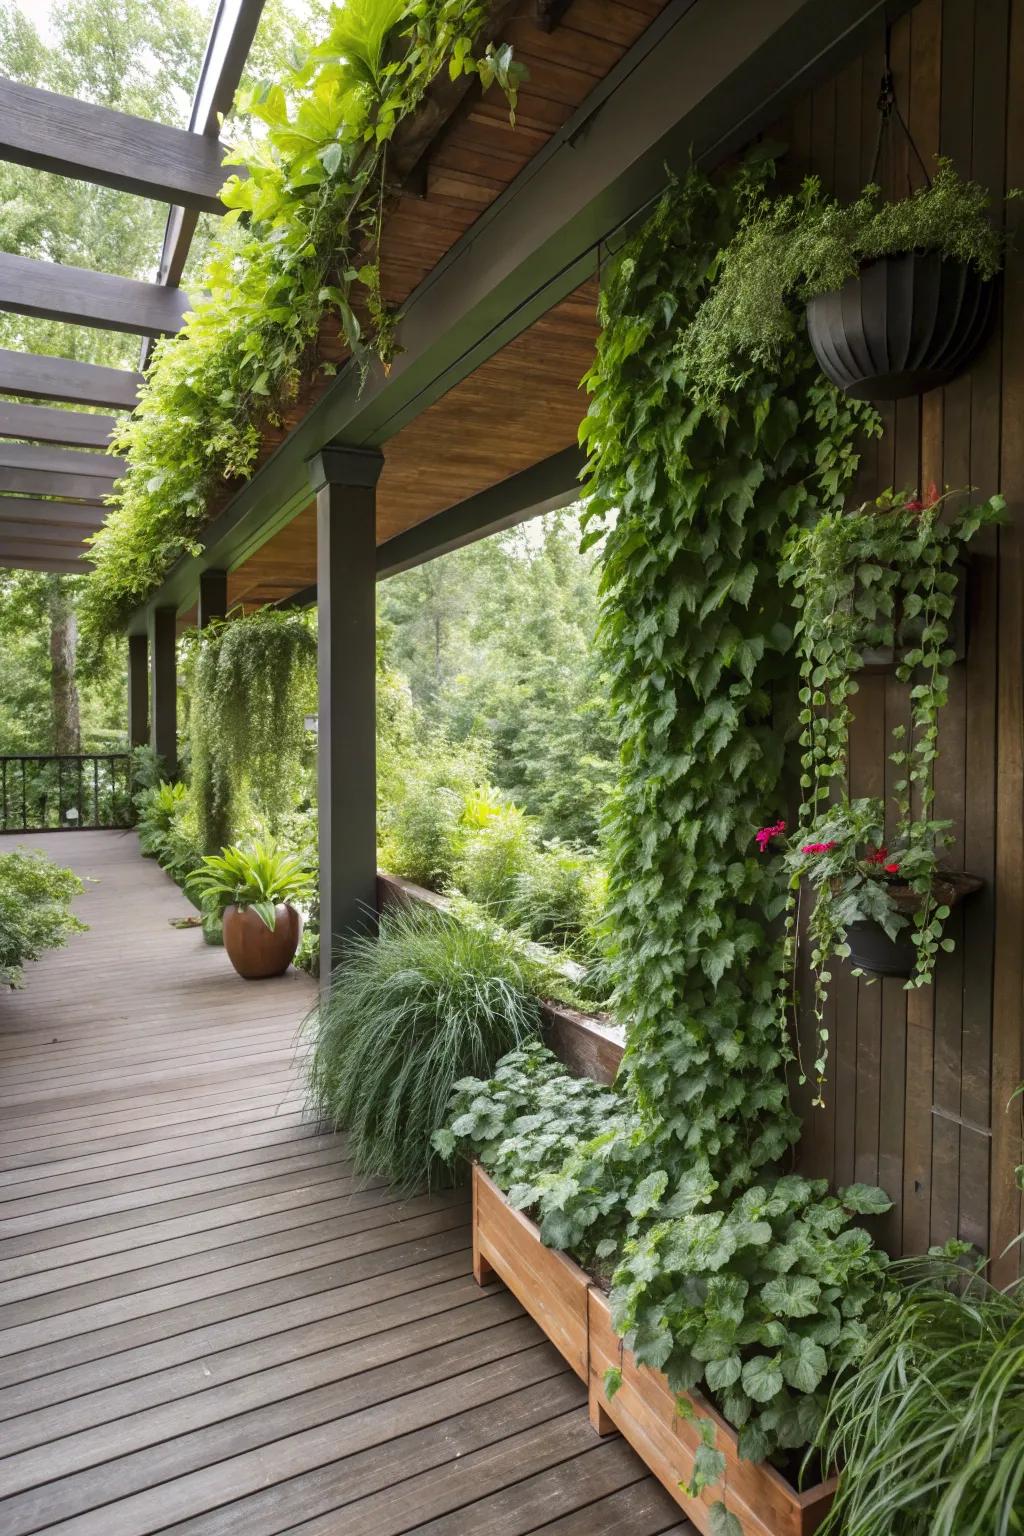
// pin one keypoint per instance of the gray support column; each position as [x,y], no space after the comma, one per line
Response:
[138,691]
[345,481]
[163,689]
[213,597]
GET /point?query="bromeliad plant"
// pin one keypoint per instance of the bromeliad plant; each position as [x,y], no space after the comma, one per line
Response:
[881,578]
[301,243]
[260,875]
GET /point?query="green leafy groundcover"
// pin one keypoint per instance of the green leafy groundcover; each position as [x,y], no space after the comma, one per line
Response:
[726,1274]
[301,242]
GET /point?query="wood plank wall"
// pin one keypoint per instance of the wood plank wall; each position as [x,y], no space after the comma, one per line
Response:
[920,1082]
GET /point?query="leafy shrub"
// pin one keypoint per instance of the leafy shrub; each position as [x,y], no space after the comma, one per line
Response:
[157,808]
[423,835]
[929,1425]
[494,858]
[408,1014]
[35,911]
[559,898]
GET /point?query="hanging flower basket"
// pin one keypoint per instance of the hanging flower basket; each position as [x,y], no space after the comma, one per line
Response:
[875,952]
[904,325]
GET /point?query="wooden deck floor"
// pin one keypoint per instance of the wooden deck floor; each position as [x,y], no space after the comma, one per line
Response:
[206,1324]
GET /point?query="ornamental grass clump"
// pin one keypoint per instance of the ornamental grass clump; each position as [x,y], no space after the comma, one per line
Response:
[410,1013]
[928,1426]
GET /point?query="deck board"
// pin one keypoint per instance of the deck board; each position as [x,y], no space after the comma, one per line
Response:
[208,1323]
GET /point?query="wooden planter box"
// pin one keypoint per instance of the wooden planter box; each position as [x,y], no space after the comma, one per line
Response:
[550,1286]
[574,1314]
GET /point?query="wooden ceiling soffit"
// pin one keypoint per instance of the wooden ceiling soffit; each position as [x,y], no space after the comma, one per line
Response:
[49,290]
[46,424]
[36,377]
[110,149]
[44,482]
[59,513]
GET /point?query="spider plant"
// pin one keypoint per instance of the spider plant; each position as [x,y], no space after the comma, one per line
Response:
[409,1013]
[260,875]
[928,1428]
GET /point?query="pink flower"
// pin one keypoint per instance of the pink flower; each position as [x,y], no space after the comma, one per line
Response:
[764,835]
[892,869]
[818,847]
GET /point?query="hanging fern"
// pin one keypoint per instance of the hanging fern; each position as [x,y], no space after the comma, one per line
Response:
[253,681]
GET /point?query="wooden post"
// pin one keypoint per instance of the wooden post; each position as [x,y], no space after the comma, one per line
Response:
[138,691]
[213,597]
[345,482]
[164,687]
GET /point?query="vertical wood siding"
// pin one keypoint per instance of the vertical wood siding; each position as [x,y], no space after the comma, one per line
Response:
[920,1082]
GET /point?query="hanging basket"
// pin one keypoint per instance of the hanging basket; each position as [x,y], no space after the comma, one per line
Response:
[871,948]
[904,325]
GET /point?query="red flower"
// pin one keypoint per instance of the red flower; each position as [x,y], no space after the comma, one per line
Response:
[933,494]
[879,856]
[892,869]
[818,847]
[918,506]
[764,835]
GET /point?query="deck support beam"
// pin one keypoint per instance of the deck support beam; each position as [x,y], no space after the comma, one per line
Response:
[345,481]
[163,692]
[213,597]
[138,691]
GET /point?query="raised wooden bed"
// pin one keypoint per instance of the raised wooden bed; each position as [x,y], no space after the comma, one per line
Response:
[574,1314]
[550,1286]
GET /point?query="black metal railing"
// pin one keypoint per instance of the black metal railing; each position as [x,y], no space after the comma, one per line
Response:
[50,792]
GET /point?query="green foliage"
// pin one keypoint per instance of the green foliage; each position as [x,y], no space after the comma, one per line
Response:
[929,1425]
[35,910]
[168,829]
[788,249]
[756,1304]
[884,578]
[260,875]
[300,242]
[697,640]
[424,829]
[494,858]
[409,1013]
[253,681]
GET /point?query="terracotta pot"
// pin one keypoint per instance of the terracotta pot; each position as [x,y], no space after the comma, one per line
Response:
[905,324]
[253,949]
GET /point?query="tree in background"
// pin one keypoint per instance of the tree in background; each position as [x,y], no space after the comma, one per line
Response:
[497,642]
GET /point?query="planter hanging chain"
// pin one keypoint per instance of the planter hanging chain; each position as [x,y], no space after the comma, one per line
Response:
[889,108]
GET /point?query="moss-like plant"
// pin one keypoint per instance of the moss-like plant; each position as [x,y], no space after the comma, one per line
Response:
[789,249]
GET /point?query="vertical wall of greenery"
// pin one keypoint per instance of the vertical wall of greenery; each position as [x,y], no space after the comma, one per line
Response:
[697,639]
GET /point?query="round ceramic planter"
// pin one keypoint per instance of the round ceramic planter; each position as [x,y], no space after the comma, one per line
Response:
[256,951]
[904,325]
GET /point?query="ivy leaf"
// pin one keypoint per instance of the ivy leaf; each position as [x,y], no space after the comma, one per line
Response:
[722,1522]
[753,1444]
[720,1374]
[804,1363]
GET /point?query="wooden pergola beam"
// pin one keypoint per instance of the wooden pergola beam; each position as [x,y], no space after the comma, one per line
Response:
[37,377]
[33,549]
[111,149]
[23,509]
[54,563]
[46,424]
[49,534]
[49,290]
[75,461]
[43,482]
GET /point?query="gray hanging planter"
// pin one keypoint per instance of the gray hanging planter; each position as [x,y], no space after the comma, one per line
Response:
[904,325]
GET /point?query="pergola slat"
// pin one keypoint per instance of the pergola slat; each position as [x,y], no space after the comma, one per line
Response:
[50,291]
[111,149]
[16,549]
[56,564]
[44,482]
[59,513]
[47,534]
[74,461]
[46,424]
[37,377]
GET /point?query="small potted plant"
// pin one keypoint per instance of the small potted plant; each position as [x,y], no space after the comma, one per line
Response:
[256,890]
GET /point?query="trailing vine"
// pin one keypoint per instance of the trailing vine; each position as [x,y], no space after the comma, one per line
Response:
[882,580]
[252,680]
[301,242]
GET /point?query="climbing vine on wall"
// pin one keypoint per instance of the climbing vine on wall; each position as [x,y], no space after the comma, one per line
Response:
[698,641]
[301,242]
